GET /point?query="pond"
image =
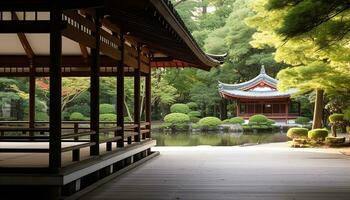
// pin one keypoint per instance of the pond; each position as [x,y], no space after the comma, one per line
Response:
[215,138]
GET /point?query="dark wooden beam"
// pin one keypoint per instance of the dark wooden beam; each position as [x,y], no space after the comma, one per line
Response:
[137,111]
[55,88]
[84,52]
[24,41]
[28,26]
[95,90]
[148,100]
[120,94]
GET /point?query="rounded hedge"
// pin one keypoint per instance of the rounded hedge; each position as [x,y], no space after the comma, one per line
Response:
[107,109]
[179,108]
[192,105]
[260,120]
[235,120]
[302,120]
[336,118]
[297,133]
[76,116]
[335,140]
[176,118]
[108,117]
[318,134]
[209,122]
[194,114]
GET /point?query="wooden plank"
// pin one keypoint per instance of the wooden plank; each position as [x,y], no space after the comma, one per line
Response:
[81,37]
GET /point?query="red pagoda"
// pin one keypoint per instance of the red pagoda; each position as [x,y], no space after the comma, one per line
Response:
[260,96]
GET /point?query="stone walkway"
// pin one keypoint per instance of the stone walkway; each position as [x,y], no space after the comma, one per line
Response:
[272,171]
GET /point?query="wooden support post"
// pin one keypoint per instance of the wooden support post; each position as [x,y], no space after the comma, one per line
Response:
[137,112]
[148,94]
[287,111]
[95,89]
[120,93]
[55,87]
[76,155]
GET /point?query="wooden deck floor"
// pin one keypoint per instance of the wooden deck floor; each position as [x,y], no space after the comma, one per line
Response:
[215,173]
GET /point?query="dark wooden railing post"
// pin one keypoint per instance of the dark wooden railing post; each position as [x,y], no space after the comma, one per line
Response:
[95,88]
[148,99]
[137,79]
[55,87]
[120,93]
[32,96]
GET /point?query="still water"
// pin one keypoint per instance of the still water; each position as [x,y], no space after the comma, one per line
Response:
[215,138]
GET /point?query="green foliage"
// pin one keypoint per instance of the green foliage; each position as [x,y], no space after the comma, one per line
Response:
[335,140]
[235,120]
[194,114]
[76,116]
[82,108]
[336,118]
[41,116]
[194,119]
[177,118]
[193,106]
[347,114]
[297,133]
[108,117]
[318,134]
[209,122]
[259,120]
[179,108]
[302,120]
[107,109]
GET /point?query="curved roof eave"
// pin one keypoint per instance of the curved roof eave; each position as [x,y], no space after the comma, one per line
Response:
[170,15]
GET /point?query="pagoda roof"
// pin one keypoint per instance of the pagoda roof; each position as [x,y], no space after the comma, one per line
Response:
[262,77]
[246,89]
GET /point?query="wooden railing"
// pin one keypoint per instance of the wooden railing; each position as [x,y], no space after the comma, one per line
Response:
[74,131]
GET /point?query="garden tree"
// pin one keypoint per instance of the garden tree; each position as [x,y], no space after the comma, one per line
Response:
[72,88]
[12,90]
[316,51]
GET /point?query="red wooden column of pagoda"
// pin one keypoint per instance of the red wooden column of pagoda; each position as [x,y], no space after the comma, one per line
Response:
[137,81]
[95,88]
[120,92]
[55,87]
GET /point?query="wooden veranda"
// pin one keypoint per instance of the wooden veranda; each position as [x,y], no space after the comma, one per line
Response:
[85,38]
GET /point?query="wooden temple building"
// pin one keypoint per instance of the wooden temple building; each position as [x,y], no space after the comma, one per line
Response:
[84,38]
[260,96]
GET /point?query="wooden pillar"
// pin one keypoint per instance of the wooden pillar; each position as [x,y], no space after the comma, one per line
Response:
[137,80]
[32,96]
[287,111]
[95,88]
[148,95]
[120,93]
[237,108]
[55,87]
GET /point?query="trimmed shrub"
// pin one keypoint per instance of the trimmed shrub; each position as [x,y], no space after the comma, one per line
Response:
[297,133]
[76,116]
[107,109]
[179,108]
[347,114]
[336,118]
[260,120]
[81,108]
[176,118]
[318,134]
[302,120]
[192,105]
[209,122]
[335,140]
[194,114]
[235,120]
[108,117]
[194,119]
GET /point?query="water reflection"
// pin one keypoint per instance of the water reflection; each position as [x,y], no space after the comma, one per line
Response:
[215,138]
